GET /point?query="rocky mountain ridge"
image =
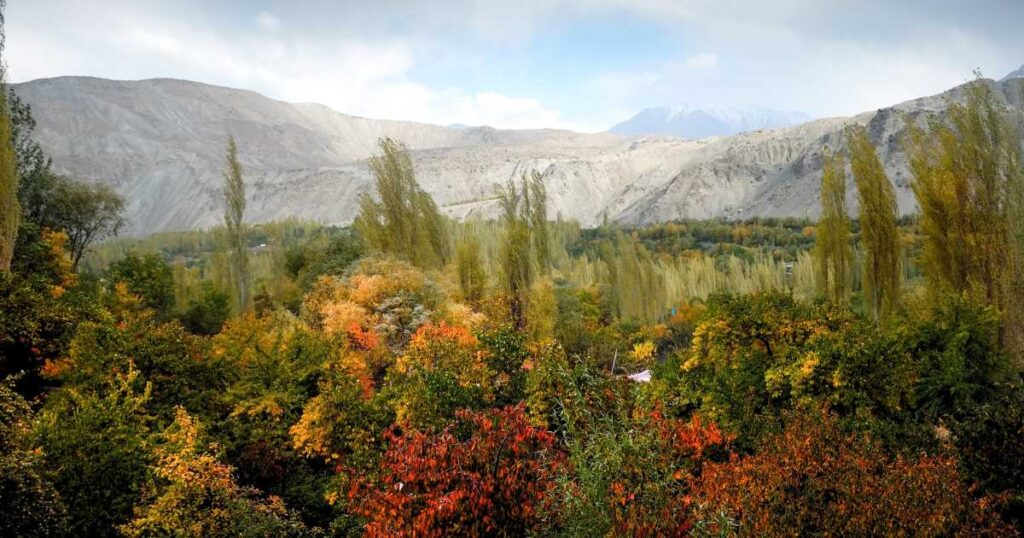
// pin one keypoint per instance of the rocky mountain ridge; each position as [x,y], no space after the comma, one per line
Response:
[160,143]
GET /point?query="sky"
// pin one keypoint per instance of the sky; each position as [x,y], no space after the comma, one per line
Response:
[582,65]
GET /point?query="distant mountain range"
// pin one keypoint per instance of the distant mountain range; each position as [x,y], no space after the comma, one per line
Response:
[160,144]
[705,122]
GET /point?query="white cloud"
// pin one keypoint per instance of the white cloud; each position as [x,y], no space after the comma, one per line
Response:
[352,76]
[268,21]
[703,60]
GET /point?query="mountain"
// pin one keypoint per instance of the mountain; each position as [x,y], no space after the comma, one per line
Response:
[706,122]
[1019,73]
[160,143]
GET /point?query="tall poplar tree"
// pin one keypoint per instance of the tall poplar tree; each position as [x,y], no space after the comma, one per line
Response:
[10,209]
[968,175]
[405,221]
[526,250]
[879,233]
[234,213]
[832,244]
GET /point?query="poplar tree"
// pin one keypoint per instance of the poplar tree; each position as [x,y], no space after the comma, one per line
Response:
[538,215]
[527,249]
[878,230]
[832,245]
[516,260]
[472,279]
[234,213]
[10,209]
[968,178]
[964,171]
[405,222]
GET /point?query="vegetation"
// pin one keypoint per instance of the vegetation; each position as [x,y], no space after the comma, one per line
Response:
[832,237]
[234,224]
[879,234]
[384,383]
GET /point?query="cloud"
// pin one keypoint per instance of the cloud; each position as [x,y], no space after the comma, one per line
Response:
[417,60]
[703,60]
[268,21]
[354,76]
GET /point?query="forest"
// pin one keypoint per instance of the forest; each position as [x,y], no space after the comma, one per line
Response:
[410,375]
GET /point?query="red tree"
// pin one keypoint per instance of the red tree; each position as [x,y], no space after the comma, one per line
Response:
[485,475]
[813,479]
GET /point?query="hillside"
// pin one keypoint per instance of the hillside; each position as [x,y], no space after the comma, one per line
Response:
[160,143]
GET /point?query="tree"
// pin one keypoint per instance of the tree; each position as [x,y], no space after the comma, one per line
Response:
[405,222]
[149,276]
[537,210]
[31,505]
[198,496]
[206,314]
[87,213]
[37,179]
[832,244]
[878,230]
[234,213]
[472,279]
[813,479]
[488,482]
[969,182]
[10,209]
[527,248]
[95,449]
[516,260]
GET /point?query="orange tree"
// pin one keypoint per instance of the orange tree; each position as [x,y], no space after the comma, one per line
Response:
[486,474]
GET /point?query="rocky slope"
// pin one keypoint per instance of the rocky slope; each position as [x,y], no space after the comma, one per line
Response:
[160,144]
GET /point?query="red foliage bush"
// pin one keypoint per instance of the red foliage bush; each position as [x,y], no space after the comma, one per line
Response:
[488,481]
[812,479]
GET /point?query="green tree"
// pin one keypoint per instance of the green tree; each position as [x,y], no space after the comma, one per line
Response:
[148,276]
[405,222]
[472,279]
[86,212]
[37,178]
[31,505]
[832,244]
[516,259]
[95,448]
[234,214]
[537,209]
[878,230]
[206,314]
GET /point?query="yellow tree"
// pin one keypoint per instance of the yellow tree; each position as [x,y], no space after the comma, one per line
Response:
[832,246]
[10,209]
[878,230]
[969,183]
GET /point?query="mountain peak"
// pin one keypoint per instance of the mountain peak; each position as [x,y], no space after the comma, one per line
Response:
[1019,73]
[691,122]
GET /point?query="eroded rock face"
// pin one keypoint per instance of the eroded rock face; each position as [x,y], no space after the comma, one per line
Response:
[160,143]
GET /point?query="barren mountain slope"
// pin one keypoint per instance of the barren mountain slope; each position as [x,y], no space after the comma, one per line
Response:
[160,144]
[777,173]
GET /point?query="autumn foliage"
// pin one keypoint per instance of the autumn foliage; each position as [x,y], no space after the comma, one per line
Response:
[485,475]
[813,479]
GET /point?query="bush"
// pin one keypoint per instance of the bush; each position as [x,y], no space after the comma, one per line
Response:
[813,479]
